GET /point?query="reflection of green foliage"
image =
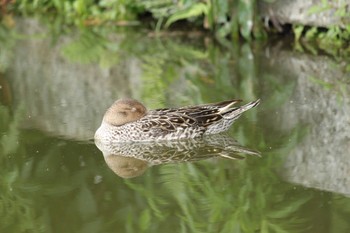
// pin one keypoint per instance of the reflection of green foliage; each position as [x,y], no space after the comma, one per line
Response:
[339,87]
[248,202]
[157,55]
[340,214]
[222,197]
[15,209]
[79,12]
[60,181]
[7,42]
[160,64]
[89,47]
[160,59]
[203,70]
[9,129]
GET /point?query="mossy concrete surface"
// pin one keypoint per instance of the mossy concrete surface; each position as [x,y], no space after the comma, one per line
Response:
[308,13]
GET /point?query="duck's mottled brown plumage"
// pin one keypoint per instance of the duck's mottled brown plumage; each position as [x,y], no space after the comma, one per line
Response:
[129,120]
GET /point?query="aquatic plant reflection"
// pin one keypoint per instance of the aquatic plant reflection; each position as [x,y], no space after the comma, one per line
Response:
[132,159]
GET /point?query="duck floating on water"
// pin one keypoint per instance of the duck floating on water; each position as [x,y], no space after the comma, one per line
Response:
[128,120]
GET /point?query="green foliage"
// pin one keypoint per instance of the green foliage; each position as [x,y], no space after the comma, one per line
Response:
[298,30]
[334,39]
[195,10]
[223,18]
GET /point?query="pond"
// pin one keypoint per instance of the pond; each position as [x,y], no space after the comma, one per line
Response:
[283,166]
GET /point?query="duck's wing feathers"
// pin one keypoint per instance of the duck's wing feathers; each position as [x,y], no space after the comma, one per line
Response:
[167,122]
[194,116]
[209,114]
[198,108]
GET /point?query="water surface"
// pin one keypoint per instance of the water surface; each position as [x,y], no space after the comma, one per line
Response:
[55,89]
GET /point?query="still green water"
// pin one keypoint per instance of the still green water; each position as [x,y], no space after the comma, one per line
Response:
[55,89]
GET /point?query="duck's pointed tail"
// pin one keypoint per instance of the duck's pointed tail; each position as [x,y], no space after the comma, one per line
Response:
[236,112]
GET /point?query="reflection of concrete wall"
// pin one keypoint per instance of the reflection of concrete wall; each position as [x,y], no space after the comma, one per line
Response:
[62,97]
[322,159]
[69,99]
[297,12]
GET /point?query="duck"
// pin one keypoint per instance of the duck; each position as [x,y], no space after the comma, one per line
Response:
[128,120]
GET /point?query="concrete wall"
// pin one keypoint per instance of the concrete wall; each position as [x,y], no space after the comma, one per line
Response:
[298,12]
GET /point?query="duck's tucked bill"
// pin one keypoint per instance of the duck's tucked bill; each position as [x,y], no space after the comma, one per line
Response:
[128,120]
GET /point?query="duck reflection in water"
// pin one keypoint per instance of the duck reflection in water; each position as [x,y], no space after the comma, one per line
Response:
[132,159]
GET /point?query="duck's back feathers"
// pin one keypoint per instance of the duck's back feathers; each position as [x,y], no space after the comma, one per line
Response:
[201,117]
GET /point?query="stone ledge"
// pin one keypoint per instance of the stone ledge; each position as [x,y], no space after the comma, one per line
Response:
[298,12]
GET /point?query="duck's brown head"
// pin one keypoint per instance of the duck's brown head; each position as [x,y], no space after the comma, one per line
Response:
[124,111]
